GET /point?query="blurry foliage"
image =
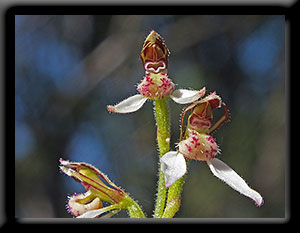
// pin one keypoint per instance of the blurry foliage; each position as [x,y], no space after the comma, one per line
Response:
[68,68]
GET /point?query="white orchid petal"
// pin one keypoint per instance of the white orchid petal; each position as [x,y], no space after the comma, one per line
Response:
[173,166]
[93,213]
[230,177]
[184,96]
[128,105]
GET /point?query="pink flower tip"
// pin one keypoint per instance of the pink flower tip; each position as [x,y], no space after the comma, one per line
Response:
[259,204]
[110,108]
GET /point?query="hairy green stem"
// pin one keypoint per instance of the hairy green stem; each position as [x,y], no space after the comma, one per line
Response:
[175,189]
[163,141]
[171,208]
[135,211]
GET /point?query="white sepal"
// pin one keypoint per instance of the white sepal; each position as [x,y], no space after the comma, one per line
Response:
[93,213]
[112,210]
[173,166]
[128,105]
[230,177]
[184,96]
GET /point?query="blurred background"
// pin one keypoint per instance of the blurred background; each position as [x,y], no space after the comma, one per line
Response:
[68,68]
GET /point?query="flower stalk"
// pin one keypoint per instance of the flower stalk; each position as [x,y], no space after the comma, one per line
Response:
[135,211]
[163,140]
[171,208]
[163,128]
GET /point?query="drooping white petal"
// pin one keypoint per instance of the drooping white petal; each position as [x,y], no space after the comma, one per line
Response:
[92,213]
[230,177]
[184,96]
[173,166]
[95,213]
[128,105]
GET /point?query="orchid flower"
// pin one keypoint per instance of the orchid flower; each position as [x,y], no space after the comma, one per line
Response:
[156,83]
[195,143]
[99,188]
[198,144]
